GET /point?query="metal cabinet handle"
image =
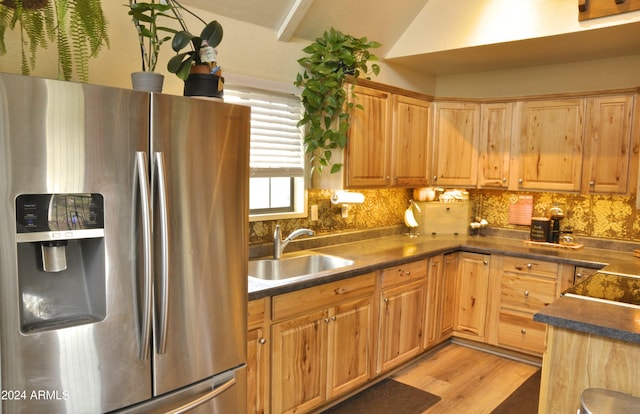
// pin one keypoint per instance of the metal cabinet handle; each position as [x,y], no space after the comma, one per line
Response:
[520,180]
[485,262]
[523,331]
[526,293]
[504,179]
[326,320]
[386,300]
[145,210]
[407,273]
[333,318]
[161,186]
[262,341]
[529,265]
[578,275]
[592,183]
[210,395]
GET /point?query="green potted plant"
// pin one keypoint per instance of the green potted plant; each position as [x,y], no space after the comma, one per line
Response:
[198,65]
[78,27]
[332,58]
[146,19]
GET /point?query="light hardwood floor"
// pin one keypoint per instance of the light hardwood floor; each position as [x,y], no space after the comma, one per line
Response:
[467,380]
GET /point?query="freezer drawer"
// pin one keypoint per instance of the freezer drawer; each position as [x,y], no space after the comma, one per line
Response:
[221,394]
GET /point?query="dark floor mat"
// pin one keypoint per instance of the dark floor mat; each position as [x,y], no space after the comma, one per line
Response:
[524,400]
[387,396]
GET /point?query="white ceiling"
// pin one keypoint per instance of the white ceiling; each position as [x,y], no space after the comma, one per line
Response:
[385,22]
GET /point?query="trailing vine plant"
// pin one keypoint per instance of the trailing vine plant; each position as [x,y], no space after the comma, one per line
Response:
[332,58]
[78,27]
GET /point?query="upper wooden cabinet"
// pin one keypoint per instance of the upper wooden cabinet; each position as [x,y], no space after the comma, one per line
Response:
[456,136]
[550,145]
[609,147]
[368,152]
[494,151]
[410,141]
[388,140]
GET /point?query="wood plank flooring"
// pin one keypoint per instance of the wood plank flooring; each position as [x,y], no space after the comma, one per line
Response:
[468,380]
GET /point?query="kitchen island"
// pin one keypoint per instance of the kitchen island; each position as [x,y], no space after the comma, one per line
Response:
[593,341]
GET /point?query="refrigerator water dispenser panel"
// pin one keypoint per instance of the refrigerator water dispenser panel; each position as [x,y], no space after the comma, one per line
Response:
[61,260]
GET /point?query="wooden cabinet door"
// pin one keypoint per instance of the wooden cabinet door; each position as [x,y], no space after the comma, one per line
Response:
[435,269]
[494,154]
[609,149]
[472,287]
[400,337]
[410,141]
[448,295]
[350,346]
[298,365]
[456,129]
[550,145]
[257,357]
[369,142]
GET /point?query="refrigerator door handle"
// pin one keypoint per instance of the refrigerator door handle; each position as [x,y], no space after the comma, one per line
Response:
[164,252]
[143,188]
[210,395]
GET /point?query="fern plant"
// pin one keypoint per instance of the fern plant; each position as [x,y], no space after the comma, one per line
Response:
[77,27]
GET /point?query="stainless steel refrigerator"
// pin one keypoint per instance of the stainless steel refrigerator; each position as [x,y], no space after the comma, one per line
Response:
[123,251]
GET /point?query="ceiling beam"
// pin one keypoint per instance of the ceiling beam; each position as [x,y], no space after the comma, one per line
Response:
[290,23]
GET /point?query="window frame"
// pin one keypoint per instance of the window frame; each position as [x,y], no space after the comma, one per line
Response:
[299,188]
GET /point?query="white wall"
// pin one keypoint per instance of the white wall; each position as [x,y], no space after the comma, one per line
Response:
[456,24]
[246,50]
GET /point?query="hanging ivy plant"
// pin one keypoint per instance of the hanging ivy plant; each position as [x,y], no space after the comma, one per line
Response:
[78,27]
[332,58]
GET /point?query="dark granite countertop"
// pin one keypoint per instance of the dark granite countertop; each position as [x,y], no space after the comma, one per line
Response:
[574,313]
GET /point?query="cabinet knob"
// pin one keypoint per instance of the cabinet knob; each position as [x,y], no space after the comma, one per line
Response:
[529,265]
[485,262]
[262,341]
[504,180]
[333,318]
[520,180]
[326,320]
[592,183]
[523,331]
[435,178]
[387,178]
[386,300]
[526,293]
[578,275]
[407,273]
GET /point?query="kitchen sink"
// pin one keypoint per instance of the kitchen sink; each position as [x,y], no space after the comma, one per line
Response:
[295,266]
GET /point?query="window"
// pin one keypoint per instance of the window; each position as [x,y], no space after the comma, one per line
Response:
[276,184]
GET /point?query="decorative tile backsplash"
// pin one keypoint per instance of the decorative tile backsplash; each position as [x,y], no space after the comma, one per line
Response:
[381,208]
[601,216]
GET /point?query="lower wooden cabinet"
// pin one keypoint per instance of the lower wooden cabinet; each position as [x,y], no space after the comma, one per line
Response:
[440,298]
[257,358]
[402,291]
[326,349]
[472,288]
[525,286]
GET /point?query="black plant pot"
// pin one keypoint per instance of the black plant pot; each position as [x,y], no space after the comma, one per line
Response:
[199,84]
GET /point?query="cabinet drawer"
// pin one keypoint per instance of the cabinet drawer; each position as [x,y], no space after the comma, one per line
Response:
[531,267]
[255,314]
[404,273]
[525,293]
[521,332]
[322,296]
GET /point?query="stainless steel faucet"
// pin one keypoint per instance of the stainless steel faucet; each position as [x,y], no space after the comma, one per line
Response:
[279,244]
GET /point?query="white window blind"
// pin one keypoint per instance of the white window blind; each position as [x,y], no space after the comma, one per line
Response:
[276,140]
